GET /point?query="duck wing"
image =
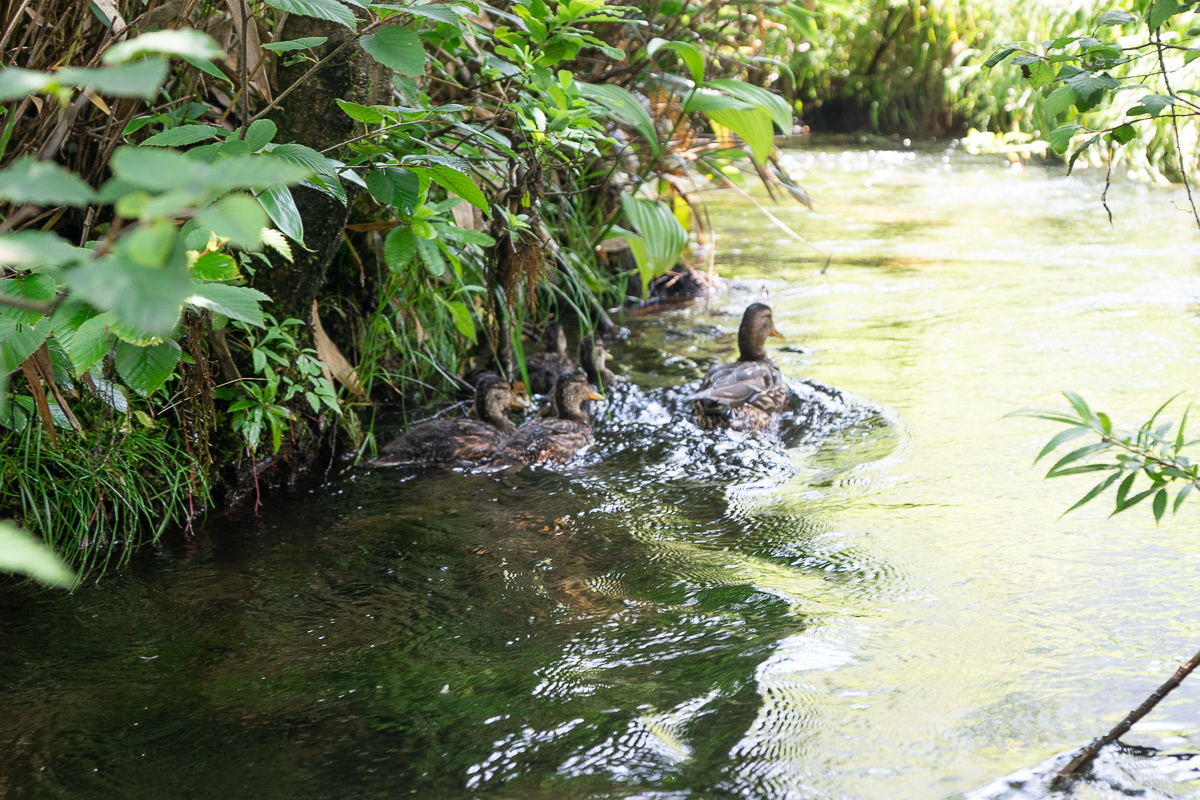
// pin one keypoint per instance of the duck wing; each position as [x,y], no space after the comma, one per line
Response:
[545,439]
[442,441]
[743,383]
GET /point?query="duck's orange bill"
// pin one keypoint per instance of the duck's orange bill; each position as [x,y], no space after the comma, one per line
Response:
[518,402]
[595,396]
[777,333]
[607,356]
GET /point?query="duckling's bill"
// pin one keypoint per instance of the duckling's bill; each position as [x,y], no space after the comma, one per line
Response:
[596,396]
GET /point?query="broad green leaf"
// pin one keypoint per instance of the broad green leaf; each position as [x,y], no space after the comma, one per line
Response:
[259,134]
[360,113]
[19,340]
[1160,11]
[137,79]
[154,168]
[687,52]
[1155,103]
[150,244]
[1060,138]
[711,101]
[90,342]
[16,82]
[325,170]
[183,42]
[1123,134]
[185,134]
[1039,73]
[664,237]
[238,218]
[462,319]
[321,9]
[431,256]
[215,266]
[149,300]
[1059,101]
[43,183]
[399,49]
[281,207]
[392,186]
[1080,151]
[146,369]
[623,106]
[31,249]
[776,106]
[458,183]
[399,247]
[256,172]
[1115,17]
[236,302]
[21,553]
[303,43]
[1160,504]
[752,124]
[446,13]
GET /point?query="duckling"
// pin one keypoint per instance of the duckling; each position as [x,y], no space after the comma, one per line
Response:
[592,356]
[544,367]
[448,440]
[746,394]
[554,439]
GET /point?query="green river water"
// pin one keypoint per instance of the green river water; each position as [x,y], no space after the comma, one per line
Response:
[889,607]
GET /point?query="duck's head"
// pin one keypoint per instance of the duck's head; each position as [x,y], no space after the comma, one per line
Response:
[554,339]
[592,356]
[570,393]
[757,325]
[493,398]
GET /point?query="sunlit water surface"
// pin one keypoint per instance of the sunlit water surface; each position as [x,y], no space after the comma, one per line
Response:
[887,607]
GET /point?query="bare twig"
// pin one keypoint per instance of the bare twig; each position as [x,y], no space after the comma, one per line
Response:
[1175,125]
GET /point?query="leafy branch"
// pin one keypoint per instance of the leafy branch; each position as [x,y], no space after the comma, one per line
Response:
[1152,451]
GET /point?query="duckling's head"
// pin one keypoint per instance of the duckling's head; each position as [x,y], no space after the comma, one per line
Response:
[592,356]
[570,393]
[554,339]
[757,325]
[493,397]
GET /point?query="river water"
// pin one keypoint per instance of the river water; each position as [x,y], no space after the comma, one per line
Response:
[883,605]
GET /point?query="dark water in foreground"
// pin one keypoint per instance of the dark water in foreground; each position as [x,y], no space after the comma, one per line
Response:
[887,607]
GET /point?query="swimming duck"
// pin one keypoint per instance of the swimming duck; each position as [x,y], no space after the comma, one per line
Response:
[558,438]
[444,441]
[592,356]
[544,367]
[746,394]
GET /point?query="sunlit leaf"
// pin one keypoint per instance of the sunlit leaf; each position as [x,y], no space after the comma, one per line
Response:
[320,9]
[687,52]
[21,553]
[182,42]
[145,369]
[236,302]
[43,183]
[399,49]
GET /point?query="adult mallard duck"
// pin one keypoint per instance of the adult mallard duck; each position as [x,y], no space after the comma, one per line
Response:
[444,441]
[544,367]
[558,438]
[744,395]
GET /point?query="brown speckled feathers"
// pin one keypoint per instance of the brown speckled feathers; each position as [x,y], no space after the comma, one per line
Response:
[747,394]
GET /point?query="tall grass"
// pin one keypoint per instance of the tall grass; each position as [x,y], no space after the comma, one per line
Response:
[93,500]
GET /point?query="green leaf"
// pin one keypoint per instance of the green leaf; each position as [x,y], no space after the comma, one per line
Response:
[1039,73]
[397,48]
[399,247]
[661,232]
[1179,498]
[303,43]
[153,168]
[321,9]
[462,319]
[236,302]
[1160,504]
[392,186]
[1123,490]
[711,101]
[1059,101]
[90,342]
[1095,490]
[687,52]
[238,218]
[19,340]
[1060,138]
[43,183]
[255,172]
[138,79]
[215,266]
[457,183]
[147,299]
[776,106]
[22,553]
[146,369]
[184,135]
[431,256]
[259,134]
[281,207]
[183,42]
[623,106]
[1080,151]
[752,124]
[1155,103]
[1075,455]
[31,249]
[1115,17]
[1079,404]
[150,245]
[1061,438]
[1123,134]
[998,56]
[1160,11]
[17,82]
[360,113]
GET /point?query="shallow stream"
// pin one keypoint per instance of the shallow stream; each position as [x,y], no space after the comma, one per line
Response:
[889,607]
